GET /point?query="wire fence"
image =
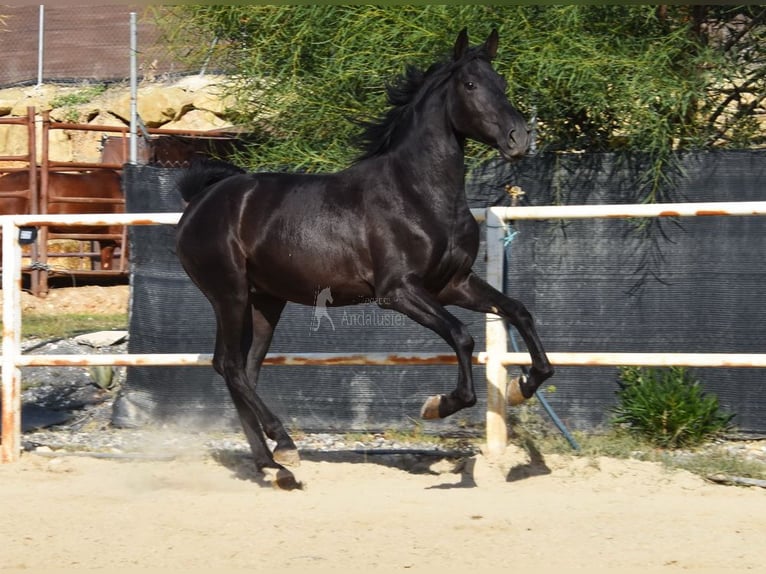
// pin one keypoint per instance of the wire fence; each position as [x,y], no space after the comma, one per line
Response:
[77,44]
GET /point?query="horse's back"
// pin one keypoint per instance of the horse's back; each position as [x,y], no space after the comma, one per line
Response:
[15,193]
[14,181]
[284,228]
[98,184]
[260,197]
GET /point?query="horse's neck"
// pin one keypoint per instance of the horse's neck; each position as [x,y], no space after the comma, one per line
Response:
[435,155]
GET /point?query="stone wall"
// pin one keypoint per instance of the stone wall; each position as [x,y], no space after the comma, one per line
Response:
[194,103]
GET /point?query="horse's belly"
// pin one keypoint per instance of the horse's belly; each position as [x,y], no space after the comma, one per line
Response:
[301,279]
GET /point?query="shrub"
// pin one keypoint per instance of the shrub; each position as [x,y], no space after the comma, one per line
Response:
[668,407]
[82,96]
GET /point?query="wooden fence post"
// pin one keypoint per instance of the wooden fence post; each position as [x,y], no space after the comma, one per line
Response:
[497,340]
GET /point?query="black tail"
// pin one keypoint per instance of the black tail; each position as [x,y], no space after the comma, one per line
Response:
[202,173]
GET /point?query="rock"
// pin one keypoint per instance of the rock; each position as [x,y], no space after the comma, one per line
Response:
[102,338]
[9,98]
[197,120]
[105,118]
[59,146]
[13,140]
[87,145]
[199,83]
[156,105]
[194,103]
[40,97]
[37,417]
[214,99]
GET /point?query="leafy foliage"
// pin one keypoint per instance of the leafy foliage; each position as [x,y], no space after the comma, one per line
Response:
[598,78]
[69,101]
[82,96]
[668,407]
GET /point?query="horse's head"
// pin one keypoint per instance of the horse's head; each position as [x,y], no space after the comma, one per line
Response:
[477,104]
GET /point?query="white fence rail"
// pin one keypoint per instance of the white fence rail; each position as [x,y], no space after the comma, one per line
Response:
[495,357]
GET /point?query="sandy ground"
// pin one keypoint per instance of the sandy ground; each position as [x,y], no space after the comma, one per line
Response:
[86,299]
[357,515]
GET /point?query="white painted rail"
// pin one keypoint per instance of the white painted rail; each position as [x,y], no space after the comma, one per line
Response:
[625,211]
[495,357]
[382,359]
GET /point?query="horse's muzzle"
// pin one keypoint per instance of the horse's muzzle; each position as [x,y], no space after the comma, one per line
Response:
[518,142]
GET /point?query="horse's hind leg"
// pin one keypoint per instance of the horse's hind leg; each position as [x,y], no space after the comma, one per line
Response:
[266,311]
[234,337]
[476,294]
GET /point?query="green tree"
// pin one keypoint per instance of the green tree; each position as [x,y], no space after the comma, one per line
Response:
[597,78]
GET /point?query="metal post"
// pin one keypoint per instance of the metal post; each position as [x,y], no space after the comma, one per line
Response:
[34,196]
[11,374]
[40,45]
[43,199]
[133,159]
[209,55]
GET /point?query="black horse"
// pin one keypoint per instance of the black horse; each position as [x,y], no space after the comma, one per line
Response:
[394,228]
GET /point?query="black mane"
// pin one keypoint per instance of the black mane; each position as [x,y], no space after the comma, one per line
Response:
[378,133]
[407,89]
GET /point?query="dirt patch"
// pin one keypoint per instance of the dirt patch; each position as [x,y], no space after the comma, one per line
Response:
[200,511]
[86,300]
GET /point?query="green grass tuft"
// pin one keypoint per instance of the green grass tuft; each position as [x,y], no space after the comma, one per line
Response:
[63,326]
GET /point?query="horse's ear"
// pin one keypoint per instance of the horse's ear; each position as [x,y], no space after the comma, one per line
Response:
[461,44]
[491,44]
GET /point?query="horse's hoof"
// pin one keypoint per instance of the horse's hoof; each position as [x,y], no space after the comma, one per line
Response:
[430,408]
[286,480]
[287,456]
[282,479]
[513,392]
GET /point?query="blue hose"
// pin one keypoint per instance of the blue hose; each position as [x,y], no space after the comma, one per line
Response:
[546,405]
[510,236]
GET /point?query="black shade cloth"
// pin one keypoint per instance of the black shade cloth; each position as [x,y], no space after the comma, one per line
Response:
[685,285]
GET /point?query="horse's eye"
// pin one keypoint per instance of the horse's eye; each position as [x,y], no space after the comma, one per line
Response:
[470,86]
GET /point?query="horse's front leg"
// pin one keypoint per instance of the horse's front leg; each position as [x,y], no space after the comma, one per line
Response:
[107,254]
[475,294]
[421,306]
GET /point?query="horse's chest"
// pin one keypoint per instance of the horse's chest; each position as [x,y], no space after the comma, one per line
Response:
[458,250]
